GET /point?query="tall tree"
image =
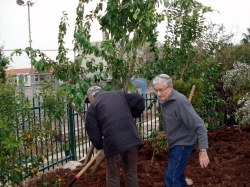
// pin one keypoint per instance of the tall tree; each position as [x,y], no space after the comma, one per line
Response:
[130,25]
[246,37]
[185,24]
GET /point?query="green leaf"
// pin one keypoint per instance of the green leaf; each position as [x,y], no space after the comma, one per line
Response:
[80,95]
[89,64]
[136,13]
[101,66]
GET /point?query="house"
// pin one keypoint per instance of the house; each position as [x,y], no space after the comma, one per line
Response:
[16,74]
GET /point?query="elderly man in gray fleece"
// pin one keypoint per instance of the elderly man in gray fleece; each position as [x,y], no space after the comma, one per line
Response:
[183,127]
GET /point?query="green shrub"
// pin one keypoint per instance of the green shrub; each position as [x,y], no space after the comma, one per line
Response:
[25,141]
[237,82]
[185,88]
[16,138]
[158,141]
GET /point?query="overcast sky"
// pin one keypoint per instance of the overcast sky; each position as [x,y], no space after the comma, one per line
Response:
[45,17]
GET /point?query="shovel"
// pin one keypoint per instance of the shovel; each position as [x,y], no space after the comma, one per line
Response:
[85,168]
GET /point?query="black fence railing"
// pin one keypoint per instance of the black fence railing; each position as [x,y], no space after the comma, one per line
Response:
[74,129]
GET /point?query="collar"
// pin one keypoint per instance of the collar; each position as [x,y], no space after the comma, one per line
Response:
[172,96]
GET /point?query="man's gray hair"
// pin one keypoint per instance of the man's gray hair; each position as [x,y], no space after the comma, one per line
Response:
[92,90]
[162,78]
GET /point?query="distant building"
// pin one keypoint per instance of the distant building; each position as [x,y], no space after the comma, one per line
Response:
[16,74]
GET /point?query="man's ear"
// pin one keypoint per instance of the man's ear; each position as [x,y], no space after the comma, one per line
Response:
[91,97]
[171,86]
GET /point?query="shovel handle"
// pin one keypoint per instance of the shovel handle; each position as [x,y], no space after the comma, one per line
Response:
[89,163]
[85,168]
[191,93]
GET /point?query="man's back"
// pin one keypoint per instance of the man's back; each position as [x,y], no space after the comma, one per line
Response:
[110,112]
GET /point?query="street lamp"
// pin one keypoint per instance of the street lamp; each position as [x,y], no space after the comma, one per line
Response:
[29,4]
[20,2]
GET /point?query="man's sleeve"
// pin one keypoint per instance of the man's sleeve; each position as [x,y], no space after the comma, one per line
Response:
[136,103]
[193,121]
[94,131]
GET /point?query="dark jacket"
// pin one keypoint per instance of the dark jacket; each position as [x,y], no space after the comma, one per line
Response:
[110,121]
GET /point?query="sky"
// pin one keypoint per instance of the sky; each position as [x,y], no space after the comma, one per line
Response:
[45,16]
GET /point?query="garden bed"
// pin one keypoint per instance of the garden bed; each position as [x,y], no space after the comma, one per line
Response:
[229,155]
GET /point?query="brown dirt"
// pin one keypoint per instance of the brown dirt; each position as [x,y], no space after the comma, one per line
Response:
[229,166]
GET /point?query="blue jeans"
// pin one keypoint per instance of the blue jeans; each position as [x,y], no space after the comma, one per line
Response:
[177,161]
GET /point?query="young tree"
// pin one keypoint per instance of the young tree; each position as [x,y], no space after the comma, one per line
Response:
[185,25]
[130,25]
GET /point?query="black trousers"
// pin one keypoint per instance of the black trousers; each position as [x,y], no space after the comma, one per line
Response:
[129,159]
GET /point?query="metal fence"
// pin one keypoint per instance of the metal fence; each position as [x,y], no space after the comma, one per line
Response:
[74,128]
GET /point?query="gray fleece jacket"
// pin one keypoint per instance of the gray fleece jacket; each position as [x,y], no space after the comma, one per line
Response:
[181,123]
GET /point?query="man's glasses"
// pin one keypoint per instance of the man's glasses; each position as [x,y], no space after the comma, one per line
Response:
[160,90]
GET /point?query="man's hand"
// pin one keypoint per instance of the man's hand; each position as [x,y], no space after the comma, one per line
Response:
[204,160]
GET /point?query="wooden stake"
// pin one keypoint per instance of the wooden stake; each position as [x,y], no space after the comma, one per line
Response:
[191,93]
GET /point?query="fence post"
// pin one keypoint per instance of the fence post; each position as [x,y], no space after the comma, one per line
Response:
[71,132]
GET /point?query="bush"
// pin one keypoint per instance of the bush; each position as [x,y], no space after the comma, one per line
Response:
[237,82]
[158,141]
[25,141]
[16,138]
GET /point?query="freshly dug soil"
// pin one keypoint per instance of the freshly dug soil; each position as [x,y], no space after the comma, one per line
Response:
[229,166]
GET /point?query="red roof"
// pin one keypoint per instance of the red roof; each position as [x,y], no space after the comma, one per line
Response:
[18,71]
[22,71]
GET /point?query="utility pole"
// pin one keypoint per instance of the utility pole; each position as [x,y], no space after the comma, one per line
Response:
[29,4]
